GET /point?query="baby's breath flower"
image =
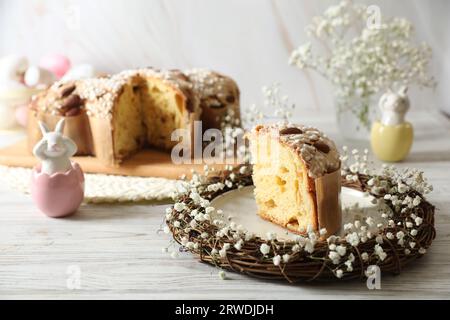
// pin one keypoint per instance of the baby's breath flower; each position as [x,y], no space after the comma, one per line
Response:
[402,188]
[286,258]
[418,221]
[339,273]
[348,226]
[179,206]
[309,246]
[351,257]
[238,245]
[365,256]
[341,250]
[380,252]
[400,235]
[222,275]
[370,221]
[276,260]
[349,265]
[353,239]
[204,203]
[334,257]
[223,253]
[264,248]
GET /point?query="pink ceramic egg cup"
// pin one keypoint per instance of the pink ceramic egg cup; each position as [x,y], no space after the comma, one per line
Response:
[60,194]
[56,63]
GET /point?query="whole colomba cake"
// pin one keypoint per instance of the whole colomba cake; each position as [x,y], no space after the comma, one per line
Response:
[296,173]
[115,116]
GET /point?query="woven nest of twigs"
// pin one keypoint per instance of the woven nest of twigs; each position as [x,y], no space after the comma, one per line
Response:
[408,233]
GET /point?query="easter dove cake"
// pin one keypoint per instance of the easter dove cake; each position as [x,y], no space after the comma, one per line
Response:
[296,173]
[113,117]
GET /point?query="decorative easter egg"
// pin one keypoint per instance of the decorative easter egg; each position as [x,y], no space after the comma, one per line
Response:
[60,194]
[35,76]
[12,68]
[12,93]
[56,63]
[22,115]
[391,143]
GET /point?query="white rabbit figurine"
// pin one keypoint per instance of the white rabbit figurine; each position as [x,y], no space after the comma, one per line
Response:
[392,137]
[393,106]
[54,150]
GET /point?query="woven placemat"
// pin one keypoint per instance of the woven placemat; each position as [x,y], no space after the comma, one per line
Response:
[101,188]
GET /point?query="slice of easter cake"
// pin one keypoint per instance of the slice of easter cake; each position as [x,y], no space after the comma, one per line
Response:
[296,173]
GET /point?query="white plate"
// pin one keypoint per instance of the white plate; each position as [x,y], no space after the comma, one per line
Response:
[240,207]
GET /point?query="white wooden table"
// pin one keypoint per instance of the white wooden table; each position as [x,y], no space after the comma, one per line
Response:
[117,248]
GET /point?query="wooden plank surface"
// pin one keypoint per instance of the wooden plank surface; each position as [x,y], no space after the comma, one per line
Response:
[146,163]
[117,248]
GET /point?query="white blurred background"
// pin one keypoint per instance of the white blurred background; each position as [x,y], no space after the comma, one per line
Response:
[249,40]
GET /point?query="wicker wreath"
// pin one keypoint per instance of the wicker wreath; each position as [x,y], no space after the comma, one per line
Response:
[406,236]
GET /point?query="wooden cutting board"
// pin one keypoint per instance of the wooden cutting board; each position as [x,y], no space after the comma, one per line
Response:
[146,163]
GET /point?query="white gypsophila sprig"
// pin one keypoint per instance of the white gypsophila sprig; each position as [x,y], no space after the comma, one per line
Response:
[361,61]
[280,105]
[275,105]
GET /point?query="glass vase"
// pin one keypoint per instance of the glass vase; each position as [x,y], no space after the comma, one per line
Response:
[354,117]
